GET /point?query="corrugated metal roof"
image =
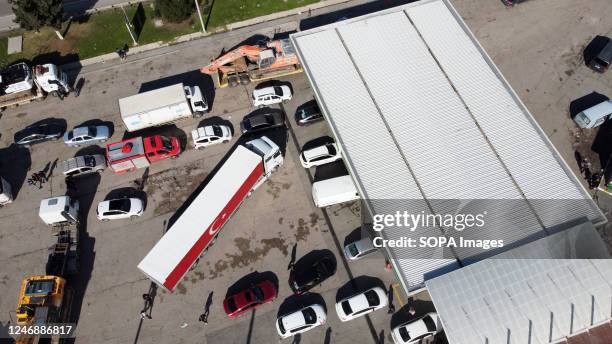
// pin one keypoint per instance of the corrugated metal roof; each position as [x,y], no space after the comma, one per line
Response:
[509,299]
[421,113]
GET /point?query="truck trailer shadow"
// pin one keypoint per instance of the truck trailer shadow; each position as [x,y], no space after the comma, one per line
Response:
[84,190]
[15,162]
[191,78]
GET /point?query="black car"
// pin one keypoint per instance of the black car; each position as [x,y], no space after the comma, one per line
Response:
[598,54]
[308,113]
[38,133]
[304,278]
[262,119]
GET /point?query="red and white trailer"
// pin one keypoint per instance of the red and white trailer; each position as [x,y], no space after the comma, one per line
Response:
[138,152]
[195,230]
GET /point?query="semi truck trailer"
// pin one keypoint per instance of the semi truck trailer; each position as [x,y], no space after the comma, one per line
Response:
[162,106]
[194,231]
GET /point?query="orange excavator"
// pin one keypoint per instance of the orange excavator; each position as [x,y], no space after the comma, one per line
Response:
[248,63]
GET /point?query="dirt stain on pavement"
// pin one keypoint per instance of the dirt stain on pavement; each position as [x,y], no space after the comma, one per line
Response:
[169,189]
[274,189]
[181,289]
[21,114]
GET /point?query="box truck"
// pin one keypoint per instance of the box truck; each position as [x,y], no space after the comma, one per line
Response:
[334,191]
[195,230]
[162,106]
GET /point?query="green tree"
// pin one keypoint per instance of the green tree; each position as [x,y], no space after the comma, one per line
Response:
[34,14]
[174,10]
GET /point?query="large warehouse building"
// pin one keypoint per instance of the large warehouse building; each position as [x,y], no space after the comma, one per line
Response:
[426,122]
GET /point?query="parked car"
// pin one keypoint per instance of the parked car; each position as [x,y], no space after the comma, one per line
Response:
[307,113]
[121,208]
[271,95]
[595,115]
[249,299]
[83,165]
[210,135]
[300,321]
[320,155]
[362,303]
[262,119]
[38,133]
[598,54]
[86,135]
[359,249]
[305,278]
[415,331]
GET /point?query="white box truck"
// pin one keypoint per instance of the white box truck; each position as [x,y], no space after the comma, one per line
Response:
[334,191]
[162,106]
[196,229]
[59,211]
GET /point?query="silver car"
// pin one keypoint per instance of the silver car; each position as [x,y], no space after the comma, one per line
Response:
[358,249]
[86,135]
[84,164]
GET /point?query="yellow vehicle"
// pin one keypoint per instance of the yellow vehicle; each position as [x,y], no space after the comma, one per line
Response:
[40,300]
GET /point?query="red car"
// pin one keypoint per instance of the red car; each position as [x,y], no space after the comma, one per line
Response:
[248,299]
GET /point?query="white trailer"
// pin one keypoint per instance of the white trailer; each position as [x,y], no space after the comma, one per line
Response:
[162,106]
[198,226]
[59,211]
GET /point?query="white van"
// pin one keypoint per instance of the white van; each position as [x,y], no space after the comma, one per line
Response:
[334,191]
[594,116]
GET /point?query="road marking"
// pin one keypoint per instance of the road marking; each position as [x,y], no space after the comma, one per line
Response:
[398,294]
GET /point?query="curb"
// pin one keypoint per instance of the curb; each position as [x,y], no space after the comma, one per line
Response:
[197,35]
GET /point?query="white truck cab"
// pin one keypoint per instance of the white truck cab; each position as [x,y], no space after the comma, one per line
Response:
[6,194]
[269,151]
[52,79]
[198,105]
[59,210]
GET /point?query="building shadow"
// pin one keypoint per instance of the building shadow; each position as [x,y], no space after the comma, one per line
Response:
[403,316]
[602,144]
[593,48]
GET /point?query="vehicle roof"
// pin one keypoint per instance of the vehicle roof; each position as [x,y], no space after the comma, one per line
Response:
[359,301]
[80,131]
[116,152]
[317,151]
[53,204]
[417,327]
[601,108]
[606,53]
[151,100]
[264,91]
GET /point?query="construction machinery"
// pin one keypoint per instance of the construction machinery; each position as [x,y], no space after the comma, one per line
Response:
[246,63]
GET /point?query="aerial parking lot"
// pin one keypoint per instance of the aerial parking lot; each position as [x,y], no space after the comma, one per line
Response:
[537,46]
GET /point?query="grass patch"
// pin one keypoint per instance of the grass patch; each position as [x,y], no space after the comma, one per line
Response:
[230,11]
[94,35]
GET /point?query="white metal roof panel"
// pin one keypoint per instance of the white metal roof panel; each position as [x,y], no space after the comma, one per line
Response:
[190,226]
[152,100]
[421,113]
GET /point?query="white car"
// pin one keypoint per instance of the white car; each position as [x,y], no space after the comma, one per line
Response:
[121,208]
[415,331]
[320,155]
[210,135]
[271,95]
[361,304]
[303,320]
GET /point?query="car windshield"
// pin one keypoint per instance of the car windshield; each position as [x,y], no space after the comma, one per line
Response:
[120,204]
[217,131]
[429,323]
[259,295]
[92,131]
[310,317]
[70,135]
[89,161]
[166,143]
[280,326]
[372,297]
[278,91]
[331,149]
[353,250]
[248,297]
[346,307]
[231,304]
[585,118]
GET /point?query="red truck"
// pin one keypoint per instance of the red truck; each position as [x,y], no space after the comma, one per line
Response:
[138,152]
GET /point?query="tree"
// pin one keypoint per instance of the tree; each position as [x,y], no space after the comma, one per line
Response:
[34,14]
[174,10]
